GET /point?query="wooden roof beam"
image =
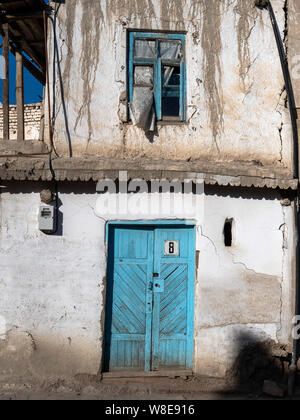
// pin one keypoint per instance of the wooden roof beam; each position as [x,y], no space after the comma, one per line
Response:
[32,15]
[39,75]
[25,46]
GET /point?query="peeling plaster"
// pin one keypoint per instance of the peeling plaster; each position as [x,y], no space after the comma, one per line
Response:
[69,316]
[90,53]
[225,88]
[280,108]
[212,46]
[70,22]
[284,228]
[248,14]
[33,342]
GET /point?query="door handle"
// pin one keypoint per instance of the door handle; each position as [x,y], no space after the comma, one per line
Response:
[155,275]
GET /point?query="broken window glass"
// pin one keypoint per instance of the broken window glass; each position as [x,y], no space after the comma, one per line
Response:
[143,75]
[170,50]
[171,91]
[141,106]
[156,78]
[144,49]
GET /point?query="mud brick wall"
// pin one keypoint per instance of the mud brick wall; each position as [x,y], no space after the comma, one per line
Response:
[32,117]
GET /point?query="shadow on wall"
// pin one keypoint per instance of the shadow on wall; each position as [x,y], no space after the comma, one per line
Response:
[256,362]
[248,193]
[59,218]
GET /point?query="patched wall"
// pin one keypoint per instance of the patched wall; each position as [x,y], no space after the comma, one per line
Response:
[235,98]
[53,286]
[244,292]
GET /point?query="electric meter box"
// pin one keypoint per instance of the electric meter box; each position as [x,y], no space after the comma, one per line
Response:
[47,218]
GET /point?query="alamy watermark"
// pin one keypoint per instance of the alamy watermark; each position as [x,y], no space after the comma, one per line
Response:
[155,197]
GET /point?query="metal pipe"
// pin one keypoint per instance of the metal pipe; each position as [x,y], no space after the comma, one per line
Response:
[293,114]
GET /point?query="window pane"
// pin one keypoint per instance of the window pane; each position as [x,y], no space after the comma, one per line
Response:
[144,49]
[170,91]
[143,75]
[170,50]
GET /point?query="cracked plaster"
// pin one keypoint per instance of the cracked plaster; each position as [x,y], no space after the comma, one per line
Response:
[236,288]
[230,107]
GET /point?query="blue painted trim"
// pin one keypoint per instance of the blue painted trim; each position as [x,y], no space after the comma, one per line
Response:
[155,35]
[131,68]
[185,93]
[157,63]
[158,91]
[144,61]
[148,223]
[152,323]
[191,299]
[156,306]
[157,82]
[182,91]
[190,261]
[149,304]
[127,337]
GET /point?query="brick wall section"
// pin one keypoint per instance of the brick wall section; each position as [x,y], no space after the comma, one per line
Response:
[33,114]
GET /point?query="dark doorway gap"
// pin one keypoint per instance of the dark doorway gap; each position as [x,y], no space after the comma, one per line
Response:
[228,232]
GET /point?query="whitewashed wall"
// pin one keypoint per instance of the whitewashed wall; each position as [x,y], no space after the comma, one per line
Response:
[235,97]
[52,287]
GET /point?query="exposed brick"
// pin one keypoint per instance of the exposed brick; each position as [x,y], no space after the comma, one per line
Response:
[32,118]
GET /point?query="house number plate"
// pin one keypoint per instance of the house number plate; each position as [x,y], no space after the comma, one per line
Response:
[172,248]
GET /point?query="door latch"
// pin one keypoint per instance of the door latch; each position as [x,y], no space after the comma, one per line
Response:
[159,286]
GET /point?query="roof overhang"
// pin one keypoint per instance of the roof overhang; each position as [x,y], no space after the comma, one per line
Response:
[31,163]
[26,32]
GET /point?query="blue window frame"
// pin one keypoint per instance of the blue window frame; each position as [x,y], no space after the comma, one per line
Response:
[165,55]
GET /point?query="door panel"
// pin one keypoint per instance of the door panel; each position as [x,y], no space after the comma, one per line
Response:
[171,306]
[151,298]
[128,343]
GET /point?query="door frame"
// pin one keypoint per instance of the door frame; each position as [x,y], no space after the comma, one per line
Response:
[149,223]
[168,223]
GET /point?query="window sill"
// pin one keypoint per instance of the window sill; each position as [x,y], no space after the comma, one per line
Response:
[163,123]
[171,122]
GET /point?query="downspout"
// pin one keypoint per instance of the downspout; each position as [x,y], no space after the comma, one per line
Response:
[293,113]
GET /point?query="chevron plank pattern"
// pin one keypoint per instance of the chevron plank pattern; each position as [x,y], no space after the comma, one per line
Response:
[128,316]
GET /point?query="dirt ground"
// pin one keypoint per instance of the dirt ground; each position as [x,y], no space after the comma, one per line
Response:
[157,389]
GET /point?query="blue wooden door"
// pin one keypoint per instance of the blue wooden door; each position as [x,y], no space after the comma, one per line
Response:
[150,298]
[173,305]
